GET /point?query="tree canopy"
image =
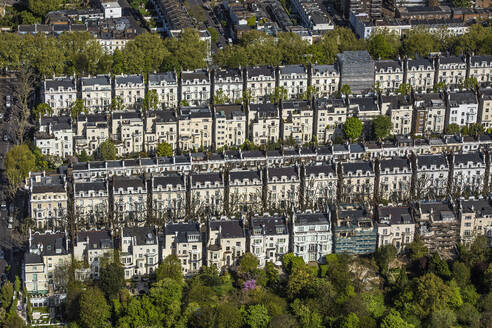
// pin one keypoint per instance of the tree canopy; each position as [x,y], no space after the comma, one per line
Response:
[19,161]
[352,128]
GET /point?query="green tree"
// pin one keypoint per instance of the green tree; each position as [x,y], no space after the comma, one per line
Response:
[307,317]
[349,321]
[439,267]
[444,318]
[118,66]
[42,7]
[352,128]
[6,295]
[417,249]
[419,41]
[77,108]
[394,320]
[404,89]
[117,104]
[383,44]
[248,263]
[107,151]
[453,128]
[383,256]
[164,149]
[166,294]
[461,273]
[280,93]
[170,268]
[476,129]
[382,126]
[214,34]
[94,310]
[10,51]
[251,21]
[432,295]
[144,54]
[43,54]
[82,52]
[140,312]
[470,83]
[17,284]
[151,101]
[19,161]
[111,279]
[14,321]
[42,110]
[462,3]
[257,316]
[468,316]
[220,97]
[440,86]
[345,90]
[293,49]
[188,52]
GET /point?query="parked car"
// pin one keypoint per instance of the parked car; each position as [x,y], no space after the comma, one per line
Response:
[8,101]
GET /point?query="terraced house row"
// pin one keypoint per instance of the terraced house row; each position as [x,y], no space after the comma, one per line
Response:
[136,192]
[345,228]
[353,68]
[215,127]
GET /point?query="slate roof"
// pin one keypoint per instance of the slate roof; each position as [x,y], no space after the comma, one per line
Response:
[157,78]
[269,225]
[172,179]
[460,98]
[428,160]
[398,215]
[50,183]
[260,70]
[143,235]
[323,69]
[364,166]
[126,182]
[183,230]
[51,242]
[128,79]
[324,168]
[390,164]
[206,177]
[60,82]
[475,157]
[365,103]
[479,206]
[293,69]
[244,175]
[96,80]
[100,239]
[89,186]
[303,219]
[415,63]
[199,74]
[229,228]
[279,172]
[386,64]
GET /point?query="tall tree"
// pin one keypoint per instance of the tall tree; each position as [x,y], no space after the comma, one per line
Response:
[23,92]
[166,294]
[144,54]
[150,101]
[164,150]
[42,7]
[107,151]
[352,128]
[112,279]
[188,50]
[171,268]
[19,161]
[77,108]
[383,44]
[382,126]
[42,110]
[94,310]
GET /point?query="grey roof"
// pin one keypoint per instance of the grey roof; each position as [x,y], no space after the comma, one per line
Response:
[452,60]
[50,183]
[127,182]
[354,57]
[481,59]
[98,239]
[228,73]
[96,80]
[228,228]
[128,79]
[269,225]
[89,186]
[52,243]
[157,78]
[324,68]
[419,62]
[475,157]
[142,235]
[436,208]
[244,175]
[397,215]
[206,177]
[463,97]
[478,206]
[261,70]
[303,219]
[365,103]
[183,230]
[396,162]
[356,148]
[387,64]
[66,82]
[396,101]
[172,179]
[199,74]
[428,160]
[293,69]
[279,172]
[31,258]
[253,154]
[364,166]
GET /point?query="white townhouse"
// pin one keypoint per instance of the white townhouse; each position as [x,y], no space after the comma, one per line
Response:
[430,111]
[485,107]
[463,108]
[297,121]
[139,251]
[312,236]
[230,126]
[96,92]
[130,89]
[184,240]
[245,190]
[400,110]
[329,116]
[260,82]
[91,131]
[168,195]
[481,68]
[264,123]
[195,87]
[55,136]
[226,242]
[358,180]
[160,126]
[432,176]
[195,126]
[268,238]
[207,192]
[166,86]
[230,83]
[469,172]
[388,75]
[396,226]
[93,247]
[46,252]
[325,79]
[294,79]
[395,178]
[130,200]
[451,70]
[47,200]
[420,74]
[320,183]
[59,93]
[127,131]
[283,186]
[475,219]
[91,202]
